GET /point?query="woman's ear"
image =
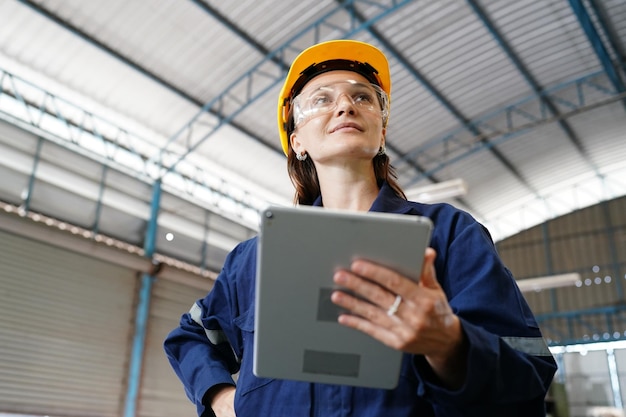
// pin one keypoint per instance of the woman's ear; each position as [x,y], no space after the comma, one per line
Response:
[296,145]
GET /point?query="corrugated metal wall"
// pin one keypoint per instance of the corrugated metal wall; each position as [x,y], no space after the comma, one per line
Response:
[65,330]
[591,242]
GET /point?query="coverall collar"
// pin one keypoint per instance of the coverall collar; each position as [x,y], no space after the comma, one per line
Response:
[387,201]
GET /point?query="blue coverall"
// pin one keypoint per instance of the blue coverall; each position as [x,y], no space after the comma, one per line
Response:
[509,365]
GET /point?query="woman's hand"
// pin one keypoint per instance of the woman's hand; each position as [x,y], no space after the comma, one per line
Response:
[420,322]
[222,400]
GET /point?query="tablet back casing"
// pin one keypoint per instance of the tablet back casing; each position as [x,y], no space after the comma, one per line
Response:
[296,331]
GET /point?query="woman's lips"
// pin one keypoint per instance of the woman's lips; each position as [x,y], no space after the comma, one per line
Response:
[346,126]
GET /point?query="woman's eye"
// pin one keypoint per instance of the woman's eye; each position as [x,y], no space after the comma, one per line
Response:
[364,98]
[319,100]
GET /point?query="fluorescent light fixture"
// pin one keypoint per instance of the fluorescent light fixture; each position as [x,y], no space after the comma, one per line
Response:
[438,191]
[548,282]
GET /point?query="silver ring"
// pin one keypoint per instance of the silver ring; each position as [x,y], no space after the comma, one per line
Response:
[394,307]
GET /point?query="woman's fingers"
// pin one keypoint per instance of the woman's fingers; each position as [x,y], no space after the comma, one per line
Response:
[398,311]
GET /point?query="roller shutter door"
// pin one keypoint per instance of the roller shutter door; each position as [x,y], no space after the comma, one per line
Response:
[65,330]
[162,394]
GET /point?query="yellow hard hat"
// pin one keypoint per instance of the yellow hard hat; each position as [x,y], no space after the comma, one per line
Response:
[350,55]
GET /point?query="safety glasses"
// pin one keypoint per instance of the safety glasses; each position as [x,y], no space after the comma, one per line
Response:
[325,98]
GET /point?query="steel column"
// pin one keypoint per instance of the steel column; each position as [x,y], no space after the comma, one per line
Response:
[143,310]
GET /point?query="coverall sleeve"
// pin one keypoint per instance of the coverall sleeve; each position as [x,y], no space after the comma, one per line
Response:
[205,349]
[509,364]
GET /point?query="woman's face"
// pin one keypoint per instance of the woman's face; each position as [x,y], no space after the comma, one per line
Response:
[338,116]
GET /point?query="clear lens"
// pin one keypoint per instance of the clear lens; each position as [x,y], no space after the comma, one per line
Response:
[323,99]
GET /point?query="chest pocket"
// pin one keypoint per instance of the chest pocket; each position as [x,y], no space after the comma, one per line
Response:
[266,396]
[247,381]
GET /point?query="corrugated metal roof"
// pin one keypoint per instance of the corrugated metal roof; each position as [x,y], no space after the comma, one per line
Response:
[466,96]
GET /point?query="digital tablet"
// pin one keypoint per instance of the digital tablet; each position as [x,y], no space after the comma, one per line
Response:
[296,334]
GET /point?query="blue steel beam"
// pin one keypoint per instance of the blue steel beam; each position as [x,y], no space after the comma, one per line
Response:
[610,32]
[205,239]
[611,230]
[436,152]
[598,45]
[530,79]
[547,250]
[241,33]
[31,180]
[72,127]
[615,379]
[141,324]
[143,309]
[136,66]
[581,320]
[95,228]
[249,81]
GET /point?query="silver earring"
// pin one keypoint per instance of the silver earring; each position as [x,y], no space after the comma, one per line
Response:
[301,156]
[382,150]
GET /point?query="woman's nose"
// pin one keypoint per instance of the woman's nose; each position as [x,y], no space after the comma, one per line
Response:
[345,104]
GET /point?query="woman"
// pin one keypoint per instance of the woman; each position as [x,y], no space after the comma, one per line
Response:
[472,346]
